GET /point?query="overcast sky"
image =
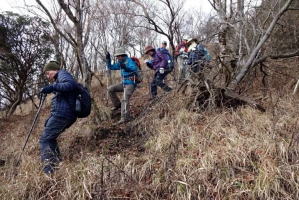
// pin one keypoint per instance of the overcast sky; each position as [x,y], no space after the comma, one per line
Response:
[18,5]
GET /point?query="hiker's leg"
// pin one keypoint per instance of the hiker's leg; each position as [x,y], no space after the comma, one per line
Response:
[112,90]
[128,91]
[195,67]
[54,148]
[48,141]
[180,68]
[160,82]
[54,145]
[154,85]
[187,71]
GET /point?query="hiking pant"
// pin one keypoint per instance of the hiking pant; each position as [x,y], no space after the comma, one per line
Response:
[158,81]
[50,154]
[197,66]
[182,69]
[127,93]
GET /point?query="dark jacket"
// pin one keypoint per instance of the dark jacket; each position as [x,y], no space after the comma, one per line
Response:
[64,102]
[198,53]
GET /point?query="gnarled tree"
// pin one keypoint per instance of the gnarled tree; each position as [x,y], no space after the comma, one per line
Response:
[25,47]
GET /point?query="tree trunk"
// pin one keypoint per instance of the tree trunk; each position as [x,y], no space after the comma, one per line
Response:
[243,71]
[16,103]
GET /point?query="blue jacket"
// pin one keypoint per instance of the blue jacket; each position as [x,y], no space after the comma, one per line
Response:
[128,71]
[160,60]
[64,102]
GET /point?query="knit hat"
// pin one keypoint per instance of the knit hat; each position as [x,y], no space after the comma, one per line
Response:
[52,65]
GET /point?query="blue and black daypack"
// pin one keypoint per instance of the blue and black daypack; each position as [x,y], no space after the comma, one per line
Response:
[83,102]
[197,54]
[203,53]
[170,62]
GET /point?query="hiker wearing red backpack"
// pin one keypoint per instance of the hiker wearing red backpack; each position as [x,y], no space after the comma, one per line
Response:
[182,47]
[129,73]
[159,63]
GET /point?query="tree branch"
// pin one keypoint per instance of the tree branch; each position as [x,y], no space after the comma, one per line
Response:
[256,50]
[275,57]
[53,22]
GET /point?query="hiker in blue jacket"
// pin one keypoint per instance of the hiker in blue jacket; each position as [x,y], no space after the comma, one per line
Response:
[198,55]
[128,69]
[63,113]
[159,63]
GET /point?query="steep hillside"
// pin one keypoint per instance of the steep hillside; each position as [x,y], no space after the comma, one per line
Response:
[166,152]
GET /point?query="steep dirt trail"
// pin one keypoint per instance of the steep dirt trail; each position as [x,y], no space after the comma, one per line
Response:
[109,137]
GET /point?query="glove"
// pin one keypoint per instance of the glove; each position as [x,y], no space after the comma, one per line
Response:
[108,56]
[149,63]
[48,89]
[41,95]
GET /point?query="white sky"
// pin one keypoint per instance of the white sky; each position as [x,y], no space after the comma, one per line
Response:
[18,5]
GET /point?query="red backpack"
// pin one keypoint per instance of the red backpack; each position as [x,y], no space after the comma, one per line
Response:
[138,77]
[137,61]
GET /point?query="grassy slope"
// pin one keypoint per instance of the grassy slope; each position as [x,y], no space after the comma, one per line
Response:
[165,154]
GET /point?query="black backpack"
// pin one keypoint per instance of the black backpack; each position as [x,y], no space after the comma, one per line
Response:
[83,102]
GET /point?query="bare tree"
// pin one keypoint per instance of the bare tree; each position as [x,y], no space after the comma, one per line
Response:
[162,16]
[78,13]
[244,32]
[254,52]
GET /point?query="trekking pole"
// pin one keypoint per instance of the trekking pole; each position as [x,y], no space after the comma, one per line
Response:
[43,97]
[108,77]
[124,97]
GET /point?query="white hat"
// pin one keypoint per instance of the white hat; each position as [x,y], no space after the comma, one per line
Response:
[186,37]
[120,51]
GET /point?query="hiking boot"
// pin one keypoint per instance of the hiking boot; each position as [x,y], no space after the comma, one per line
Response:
[121,121]
[115,108]
[124,119]
[49,169]
[152,98]
[2,162]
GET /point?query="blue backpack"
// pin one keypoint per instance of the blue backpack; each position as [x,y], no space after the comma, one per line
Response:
[83,102]
[203,53]
[170,62]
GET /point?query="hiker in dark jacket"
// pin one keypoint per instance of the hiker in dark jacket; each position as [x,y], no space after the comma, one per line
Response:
[63,113]
[198,55]
[159,63]
[128,70]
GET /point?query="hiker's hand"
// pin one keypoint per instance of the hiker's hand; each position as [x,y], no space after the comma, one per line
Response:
[41,95]
[149,63]
[48,89]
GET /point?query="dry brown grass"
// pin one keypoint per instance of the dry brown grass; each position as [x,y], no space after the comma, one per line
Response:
[164,154]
